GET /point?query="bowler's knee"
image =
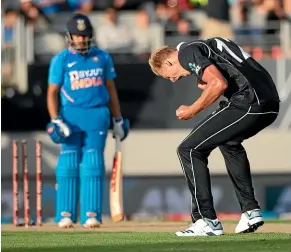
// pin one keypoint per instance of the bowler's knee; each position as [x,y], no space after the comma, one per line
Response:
[233,146]
[182,148]
[185,149]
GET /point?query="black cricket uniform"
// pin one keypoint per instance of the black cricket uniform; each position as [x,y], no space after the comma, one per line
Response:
[253,104]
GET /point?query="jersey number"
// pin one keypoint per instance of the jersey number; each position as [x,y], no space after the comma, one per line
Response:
[221,45]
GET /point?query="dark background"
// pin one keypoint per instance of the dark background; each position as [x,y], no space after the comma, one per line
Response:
[148,101]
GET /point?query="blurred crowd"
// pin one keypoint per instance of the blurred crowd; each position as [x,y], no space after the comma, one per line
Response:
[245,21]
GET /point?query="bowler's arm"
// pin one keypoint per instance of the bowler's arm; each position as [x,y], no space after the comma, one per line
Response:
[215,87]
[53,100]
[114,101]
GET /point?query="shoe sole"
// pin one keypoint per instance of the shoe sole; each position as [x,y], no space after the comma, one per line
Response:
[91,225]
[253,228]
[214,233]
[66,226]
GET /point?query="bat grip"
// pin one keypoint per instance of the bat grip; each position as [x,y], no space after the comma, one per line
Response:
[118,143]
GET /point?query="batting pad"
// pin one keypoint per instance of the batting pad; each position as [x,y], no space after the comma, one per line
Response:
[91,185]
[67,175]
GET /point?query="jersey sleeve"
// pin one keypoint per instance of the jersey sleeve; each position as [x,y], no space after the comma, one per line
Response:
[56,73]
[195,57]
[110,73]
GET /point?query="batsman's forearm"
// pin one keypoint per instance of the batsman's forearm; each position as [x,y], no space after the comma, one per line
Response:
[114,105]
[53,105]
[114,101]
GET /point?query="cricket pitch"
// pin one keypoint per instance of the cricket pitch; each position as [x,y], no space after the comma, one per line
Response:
[152,226]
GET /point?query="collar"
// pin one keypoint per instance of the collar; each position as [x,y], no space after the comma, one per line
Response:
[179,45]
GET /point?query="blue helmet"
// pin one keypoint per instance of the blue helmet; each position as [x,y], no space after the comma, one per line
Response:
[80,25]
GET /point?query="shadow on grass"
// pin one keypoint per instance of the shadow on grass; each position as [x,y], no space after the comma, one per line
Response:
[260,245]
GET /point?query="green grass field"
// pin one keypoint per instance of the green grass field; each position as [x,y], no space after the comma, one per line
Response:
[140,242]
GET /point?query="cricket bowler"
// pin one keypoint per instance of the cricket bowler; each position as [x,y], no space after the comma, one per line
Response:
[83,77]
[224,69]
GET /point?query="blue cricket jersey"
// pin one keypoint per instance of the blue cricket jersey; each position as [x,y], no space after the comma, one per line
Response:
[82,78]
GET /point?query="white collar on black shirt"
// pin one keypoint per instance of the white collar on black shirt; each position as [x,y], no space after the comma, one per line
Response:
[179,45]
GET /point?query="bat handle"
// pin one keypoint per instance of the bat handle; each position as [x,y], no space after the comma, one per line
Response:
[118,143]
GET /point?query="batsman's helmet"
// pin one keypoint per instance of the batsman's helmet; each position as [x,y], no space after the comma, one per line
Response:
[80,25]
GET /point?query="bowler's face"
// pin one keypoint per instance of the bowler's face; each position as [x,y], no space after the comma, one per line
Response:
[172,72]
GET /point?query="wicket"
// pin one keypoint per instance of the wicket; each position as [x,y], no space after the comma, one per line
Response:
[15,177]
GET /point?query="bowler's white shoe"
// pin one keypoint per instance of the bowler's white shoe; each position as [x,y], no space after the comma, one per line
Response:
[250,221]
[92,223]
[65,222]
[203,227]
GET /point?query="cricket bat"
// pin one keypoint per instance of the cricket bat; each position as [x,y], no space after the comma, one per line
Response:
[116,194]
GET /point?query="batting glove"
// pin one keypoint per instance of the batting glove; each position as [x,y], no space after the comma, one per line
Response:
[58,130]
[120,127]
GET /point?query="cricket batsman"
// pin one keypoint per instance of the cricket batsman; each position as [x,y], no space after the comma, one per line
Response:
[83,77]
[252,103]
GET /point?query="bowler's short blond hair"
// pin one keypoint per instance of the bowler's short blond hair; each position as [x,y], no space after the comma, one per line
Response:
[158,57]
